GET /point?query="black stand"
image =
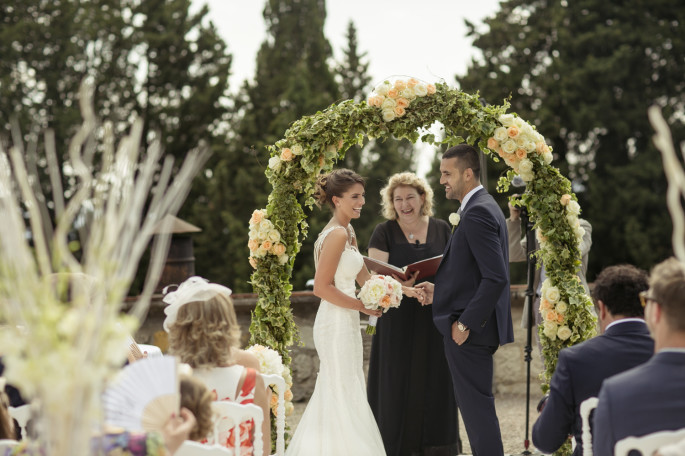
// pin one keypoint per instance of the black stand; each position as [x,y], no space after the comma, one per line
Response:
[530,298]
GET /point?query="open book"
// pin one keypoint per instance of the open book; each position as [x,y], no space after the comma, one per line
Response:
[426,268]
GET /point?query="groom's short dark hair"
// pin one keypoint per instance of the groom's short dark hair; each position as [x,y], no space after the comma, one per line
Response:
[469,157]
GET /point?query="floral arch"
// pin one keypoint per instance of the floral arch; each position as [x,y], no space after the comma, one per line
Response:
[314,143]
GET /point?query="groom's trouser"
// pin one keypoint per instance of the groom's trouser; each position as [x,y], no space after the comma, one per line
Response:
[471,367]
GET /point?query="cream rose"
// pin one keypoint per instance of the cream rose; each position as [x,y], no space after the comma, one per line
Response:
[507,120]
[573,207]
[388,114]
[552,294]
[573,221]
[526,166]
[564,332]
[382,89]
[454,218]
[297,149]
[283,259]
[408,93]
[547,157]
[275,163]
[550,330]
[561,307]
[500,134]
[389,103]
[527,177]
[509,146]
[420,90]
[274,236]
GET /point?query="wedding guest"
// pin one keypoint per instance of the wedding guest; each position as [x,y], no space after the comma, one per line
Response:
[471,304]
[518,252]
[650,397]
[204,333]
[409,386]
[581,369]
[6,422]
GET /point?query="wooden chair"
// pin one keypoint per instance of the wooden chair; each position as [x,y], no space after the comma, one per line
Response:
[229,417]
[648,444]
[586,408]
[279,383]
[21,414]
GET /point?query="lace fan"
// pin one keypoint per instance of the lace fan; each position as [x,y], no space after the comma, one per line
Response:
[144,395]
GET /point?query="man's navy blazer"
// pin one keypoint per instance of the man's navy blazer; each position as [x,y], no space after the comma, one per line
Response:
[648,398]
[472,282]
[580,371]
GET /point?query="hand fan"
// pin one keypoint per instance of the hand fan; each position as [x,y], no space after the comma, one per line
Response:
[144,395]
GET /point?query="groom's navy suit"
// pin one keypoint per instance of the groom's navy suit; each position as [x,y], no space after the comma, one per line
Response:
[472,286]
[580,371]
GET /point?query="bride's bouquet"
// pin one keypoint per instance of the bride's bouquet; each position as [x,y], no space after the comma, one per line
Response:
[380,292]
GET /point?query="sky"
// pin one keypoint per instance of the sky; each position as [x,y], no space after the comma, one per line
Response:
[425,39]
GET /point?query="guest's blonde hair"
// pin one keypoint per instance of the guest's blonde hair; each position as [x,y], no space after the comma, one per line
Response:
[409,180]
[205,333]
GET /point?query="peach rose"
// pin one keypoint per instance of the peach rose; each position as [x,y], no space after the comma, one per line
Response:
[565,199]
[393,93]
[493,144]
[286,154]
[400,84]
[560,318]
[253,245]
[253,262]
[430,89]
[288,395]
[399,111]
[521,153]
[541,147]
[266,245]
[340,143]
[376,101]
[412,82]
[385,302]
[274,400]
[513,131]
[402,102]
[278,249]
[545,305]
[257,216]
[551,315]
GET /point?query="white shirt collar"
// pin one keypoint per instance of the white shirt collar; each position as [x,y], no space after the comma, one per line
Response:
[468,197]
[623,320]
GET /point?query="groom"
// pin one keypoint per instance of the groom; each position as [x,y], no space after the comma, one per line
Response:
[471,305]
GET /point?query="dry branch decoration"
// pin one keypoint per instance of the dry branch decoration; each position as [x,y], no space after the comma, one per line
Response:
[63,333]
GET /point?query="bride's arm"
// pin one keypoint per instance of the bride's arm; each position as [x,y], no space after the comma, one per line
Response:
[324,286]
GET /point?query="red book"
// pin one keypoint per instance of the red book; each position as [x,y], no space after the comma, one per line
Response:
[426,268]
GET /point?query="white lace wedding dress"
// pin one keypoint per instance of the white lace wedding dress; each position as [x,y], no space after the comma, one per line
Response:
[338,419]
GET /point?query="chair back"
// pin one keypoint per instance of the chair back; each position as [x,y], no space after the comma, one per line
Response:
[190,448]
[229,417]
[153,351]
[6,444]
[586,408]
[648,444]
[21,414]
[279,383]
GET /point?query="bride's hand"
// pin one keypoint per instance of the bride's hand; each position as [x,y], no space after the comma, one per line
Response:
[371,312]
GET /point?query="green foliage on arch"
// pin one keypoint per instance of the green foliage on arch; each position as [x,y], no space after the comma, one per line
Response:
[313,144]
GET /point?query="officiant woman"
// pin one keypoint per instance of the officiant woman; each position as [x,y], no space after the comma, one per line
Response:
[410,389]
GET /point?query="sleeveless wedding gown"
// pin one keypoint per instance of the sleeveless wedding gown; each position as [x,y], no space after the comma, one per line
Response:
[338,419]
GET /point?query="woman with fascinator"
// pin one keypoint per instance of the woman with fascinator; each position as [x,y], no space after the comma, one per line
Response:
[204,333]
[338,419]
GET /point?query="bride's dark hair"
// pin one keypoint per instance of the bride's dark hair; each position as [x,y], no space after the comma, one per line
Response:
[333,184]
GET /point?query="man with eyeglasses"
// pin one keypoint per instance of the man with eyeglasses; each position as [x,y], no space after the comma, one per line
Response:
[650,397]
[581,369]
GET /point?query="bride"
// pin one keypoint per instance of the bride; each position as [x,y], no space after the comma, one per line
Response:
[338,419]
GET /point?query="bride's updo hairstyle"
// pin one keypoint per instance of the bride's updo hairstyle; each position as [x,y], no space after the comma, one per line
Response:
[333,184]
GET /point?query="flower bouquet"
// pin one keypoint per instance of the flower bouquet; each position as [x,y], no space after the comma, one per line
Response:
[381,292]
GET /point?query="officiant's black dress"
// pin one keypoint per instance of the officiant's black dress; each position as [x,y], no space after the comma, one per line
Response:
[410,388]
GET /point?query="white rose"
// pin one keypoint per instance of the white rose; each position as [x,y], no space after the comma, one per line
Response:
[552,294]
[519,123]
[283,259]
[521,142]
[573,221]
[408,93]
[550,330]
[573,207]
[530,146]
[260,252]
[507,120]
[265,226]
[527,177]
[579,232]
[388,103]
[388,114]
[564,332]
[274,236]
[275,163]
[545,285]
[526,166]
[421,90]
[454,218]
[509,146]
[296,149]
[500,134]
[547,157]
[382,89]
[561,307]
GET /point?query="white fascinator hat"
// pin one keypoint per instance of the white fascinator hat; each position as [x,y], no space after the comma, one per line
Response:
[194,289]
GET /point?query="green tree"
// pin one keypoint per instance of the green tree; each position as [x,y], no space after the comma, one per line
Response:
[292,79]
[585,73]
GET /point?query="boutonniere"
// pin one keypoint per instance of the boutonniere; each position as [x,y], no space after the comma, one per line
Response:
[454,220]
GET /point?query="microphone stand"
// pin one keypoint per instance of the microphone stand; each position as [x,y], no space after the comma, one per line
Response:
[530,297]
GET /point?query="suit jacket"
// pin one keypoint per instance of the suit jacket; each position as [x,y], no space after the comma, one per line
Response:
[472,281]
[580,371]
[646,399]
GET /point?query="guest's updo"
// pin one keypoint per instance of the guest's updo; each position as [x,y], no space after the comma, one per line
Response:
[333,184]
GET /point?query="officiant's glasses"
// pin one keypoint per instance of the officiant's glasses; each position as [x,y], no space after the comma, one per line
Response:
[645,298]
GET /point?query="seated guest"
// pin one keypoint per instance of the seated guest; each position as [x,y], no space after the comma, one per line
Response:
[204,333]
[581,369]
[651,397]
[6,422]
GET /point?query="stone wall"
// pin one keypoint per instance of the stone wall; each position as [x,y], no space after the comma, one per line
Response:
[509,363]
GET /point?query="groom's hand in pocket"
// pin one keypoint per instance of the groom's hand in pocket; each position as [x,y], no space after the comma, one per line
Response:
[459,337]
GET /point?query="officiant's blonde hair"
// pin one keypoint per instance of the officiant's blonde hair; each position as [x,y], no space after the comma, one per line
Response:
[406,179]
[205,333]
